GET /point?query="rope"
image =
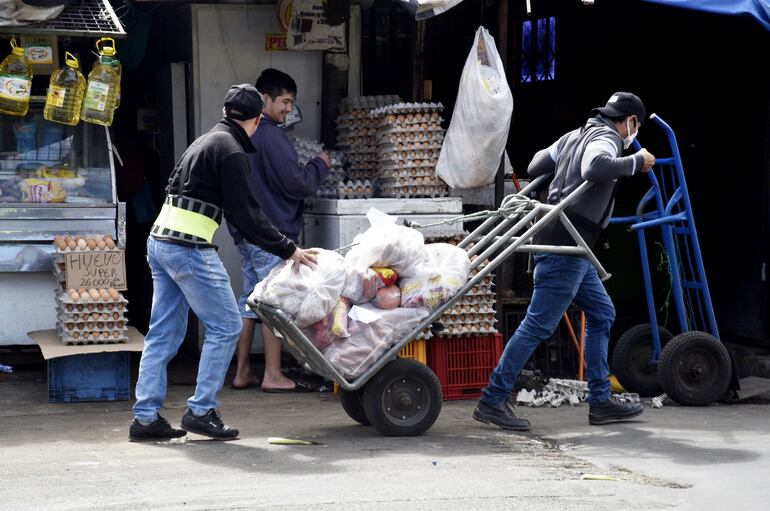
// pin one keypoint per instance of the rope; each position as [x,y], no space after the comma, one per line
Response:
[665,262]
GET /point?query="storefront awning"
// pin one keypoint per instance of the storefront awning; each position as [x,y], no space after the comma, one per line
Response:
[758,9]
[88,18]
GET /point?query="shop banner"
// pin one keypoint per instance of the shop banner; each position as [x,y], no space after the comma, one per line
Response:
[309,29]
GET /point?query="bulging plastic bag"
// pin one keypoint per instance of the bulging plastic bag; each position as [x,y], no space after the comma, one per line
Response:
[435,281]
[478,131]
[334,326]
[308,296]
[388,246]
[389,297]
[362,284]
[368,342]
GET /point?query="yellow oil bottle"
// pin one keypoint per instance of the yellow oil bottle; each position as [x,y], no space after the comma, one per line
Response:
[65,93]
[15,82]
[103,87]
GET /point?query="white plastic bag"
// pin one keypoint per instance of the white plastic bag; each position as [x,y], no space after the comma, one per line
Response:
[309,295]
[478,131]
[368,342]
[388,246]
[435,281]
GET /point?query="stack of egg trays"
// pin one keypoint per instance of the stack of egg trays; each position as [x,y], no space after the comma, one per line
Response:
[91,321]
[474,313]
[409,138]
[356,134]
[307,149]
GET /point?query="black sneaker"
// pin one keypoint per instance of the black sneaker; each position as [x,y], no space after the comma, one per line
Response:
[500,415]
[158,430]
[209,425]
[612,411]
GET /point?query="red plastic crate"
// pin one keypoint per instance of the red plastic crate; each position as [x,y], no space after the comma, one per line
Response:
[463,364]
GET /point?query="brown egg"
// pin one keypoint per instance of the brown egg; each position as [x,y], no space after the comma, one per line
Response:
[110,325]
[116,335]
[86,335]
[100,306]
[69,307]
[101,245]
[100,325]
[70,326]
[57,239]
[119,324]
[76,335]
[72,245]
[105,335]
[91,244]
[115,315]
[75,317]
[98,238]
[67,239]
[110,243]
[80,326]
[79,307]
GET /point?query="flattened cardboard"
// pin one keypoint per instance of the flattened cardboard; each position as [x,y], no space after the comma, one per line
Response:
[99,269]
[52,347]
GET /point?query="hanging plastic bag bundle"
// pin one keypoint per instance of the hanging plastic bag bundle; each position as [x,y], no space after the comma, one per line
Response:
[307,295]
[65,93]
[478,131]
[435,281]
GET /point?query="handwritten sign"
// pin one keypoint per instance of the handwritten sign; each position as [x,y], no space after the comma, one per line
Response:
[96,268]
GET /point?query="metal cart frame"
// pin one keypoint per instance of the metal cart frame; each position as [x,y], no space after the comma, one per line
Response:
[366,399]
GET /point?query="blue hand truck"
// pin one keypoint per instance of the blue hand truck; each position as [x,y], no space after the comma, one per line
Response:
[693,368]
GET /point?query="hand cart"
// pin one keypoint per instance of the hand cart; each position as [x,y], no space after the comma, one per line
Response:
[694,367]
[402,397]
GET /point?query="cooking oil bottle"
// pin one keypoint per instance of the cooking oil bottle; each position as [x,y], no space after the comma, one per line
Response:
[15,82]
[65,93]
[103,86]
[119,69]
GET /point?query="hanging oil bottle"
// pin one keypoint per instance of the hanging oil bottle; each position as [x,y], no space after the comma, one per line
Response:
[15,82]
[103,86]
[119,69]
[65,93]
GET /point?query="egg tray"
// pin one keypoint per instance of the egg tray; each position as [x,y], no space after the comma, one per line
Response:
[370,174]
[390,129]
[409,159]
[409,146]
[414,192]
[65,303]
[356,131]
[94,326]
[89,316]
[469,318]
[459,331]
[368,157]
[71,339]
[415,174]
[479,307]
[395,138]
[407,108]
[407,120]
[390,182]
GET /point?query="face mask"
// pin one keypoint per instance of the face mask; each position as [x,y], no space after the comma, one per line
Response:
[630,138]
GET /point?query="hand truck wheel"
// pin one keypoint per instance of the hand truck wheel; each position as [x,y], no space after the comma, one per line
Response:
[353,404]
[403,398]
[631,360]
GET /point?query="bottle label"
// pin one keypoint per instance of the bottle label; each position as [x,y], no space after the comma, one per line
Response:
[56,96]
[39,54]
[96,95]
[17,88]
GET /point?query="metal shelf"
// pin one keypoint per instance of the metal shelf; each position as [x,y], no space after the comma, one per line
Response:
[88,18]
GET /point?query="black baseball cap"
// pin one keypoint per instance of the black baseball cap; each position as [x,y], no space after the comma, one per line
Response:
[623,104]
[243,102]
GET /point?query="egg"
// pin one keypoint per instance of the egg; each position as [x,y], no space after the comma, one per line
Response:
[116,335]
[76,335]
[93,293]
[70,326]
[101,245]
[119,324]
[81,326]
[91,244]
[115,315]
[110,325]
[81,244]
[61,245]
[72,245]
[100,306]
[67,239]
[105,335]
[110,243]
[114,294]
[79,307]
[98,238]
[83,296]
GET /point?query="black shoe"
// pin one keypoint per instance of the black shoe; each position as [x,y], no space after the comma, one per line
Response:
[501,415]
[158,430]
[612,411]
[209,425]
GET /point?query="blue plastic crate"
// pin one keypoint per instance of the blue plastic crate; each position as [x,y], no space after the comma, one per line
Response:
[89,377]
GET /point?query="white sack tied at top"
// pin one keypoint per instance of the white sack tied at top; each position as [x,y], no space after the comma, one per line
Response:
[309,295]
[478,130]
[434,282]
[388,246]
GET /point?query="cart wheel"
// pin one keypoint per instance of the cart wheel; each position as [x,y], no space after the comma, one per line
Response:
[694,369]
[403,398]
[353,404]
[631,360]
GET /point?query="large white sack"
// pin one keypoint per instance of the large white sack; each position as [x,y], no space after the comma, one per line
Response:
[388,246]
[435,281]
[368,342]
[309,295]
[478,131]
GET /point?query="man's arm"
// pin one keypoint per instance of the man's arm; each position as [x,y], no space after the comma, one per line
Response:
[544,161]
[291,178]
[243,212]
[602,161]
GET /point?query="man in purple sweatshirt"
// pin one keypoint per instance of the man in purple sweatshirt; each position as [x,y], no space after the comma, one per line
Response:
[280,185]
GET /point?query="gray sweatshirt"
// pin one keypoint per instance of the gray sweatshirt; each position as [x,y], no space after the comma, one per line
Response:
[589,153]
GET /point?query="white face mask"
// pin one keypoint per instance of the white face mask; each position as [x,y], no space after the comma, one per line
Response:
[630,138]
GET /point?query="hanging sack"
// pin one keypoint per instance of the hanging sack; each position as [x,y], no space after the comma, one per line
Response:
[478,131]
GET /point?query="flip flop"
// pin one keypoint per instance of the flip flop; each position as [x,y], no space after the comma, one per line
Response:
[245,387]
[299,386]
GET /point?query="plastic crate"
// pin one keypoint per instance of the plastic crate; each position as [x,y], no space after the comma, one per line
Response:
[463,364]
[89,377]
[416,350]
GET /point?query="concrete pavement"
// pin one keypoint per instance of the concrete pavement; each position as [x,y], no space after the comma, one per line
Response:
[76,456]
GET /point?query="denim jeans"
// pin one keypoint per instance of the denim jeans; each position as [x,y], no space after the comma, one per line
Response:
[558,281]
[186,277]
[255,266]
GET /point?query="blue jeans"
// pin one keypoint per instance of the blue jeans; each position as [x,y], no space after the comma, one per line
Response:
[558,281]
[186,277]
[255,265]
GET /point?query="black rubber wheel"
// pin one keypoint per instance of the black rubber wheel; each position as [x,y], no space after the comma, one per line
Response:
[353,404]
[694,369]
[403,398]
[631,360]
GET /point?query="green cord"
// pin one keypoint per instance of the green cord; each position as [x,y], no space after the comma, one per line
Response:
[665,261]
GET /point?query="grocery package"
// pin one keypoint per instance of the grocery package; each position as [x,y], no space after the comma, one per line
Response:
[388,297]
[409,137]
[15,82]
[439,277]
[65,93]
[478,130]
[362,284]
[41,191]
[399,248]
[333,326]
[369,341]
[307,295]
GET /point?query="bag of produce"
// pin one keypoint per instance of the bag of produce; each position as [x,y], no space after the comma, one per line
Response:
[437,279]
